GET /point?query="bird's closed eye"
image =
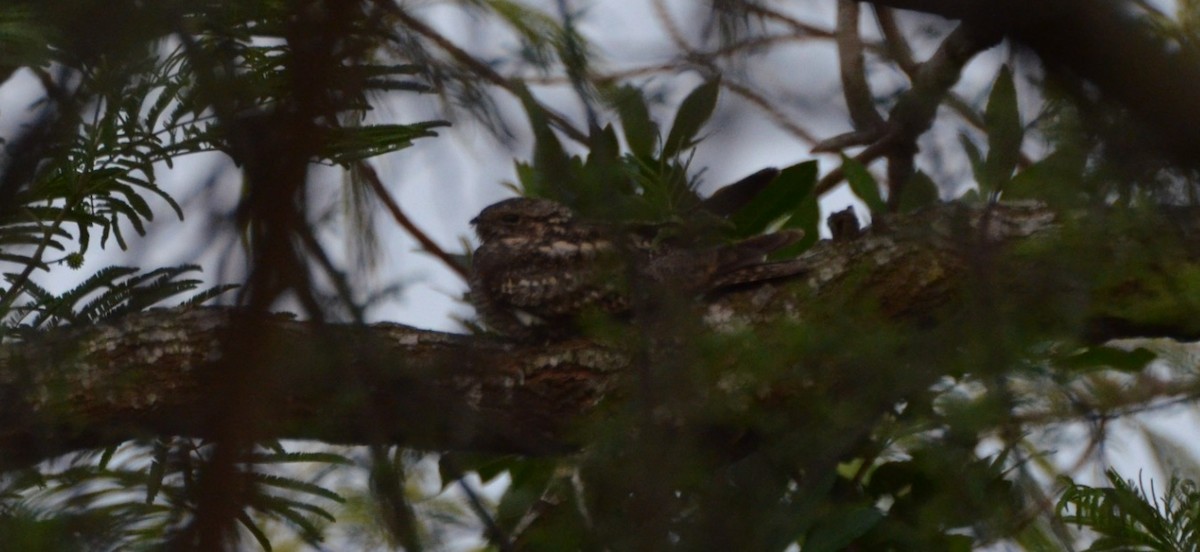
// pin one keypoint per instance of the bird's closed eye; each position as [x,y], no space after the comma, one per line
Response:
[511,218]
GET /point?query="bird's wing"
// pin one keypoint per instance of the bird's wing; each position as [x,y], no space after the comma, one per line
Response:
[555,279]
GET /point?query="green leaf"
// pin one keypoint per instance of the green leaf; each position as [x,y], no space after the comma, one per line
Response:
[350,144]
[806,216]
[731,198]
[106,456]
[692,115]
[918,192]
[975,157]
[156,472]
[551,173]
[779,198]
[863,184]
[254,530]
[529,481]
[959,543]
[640,131]
[1103,357]
[836,532]
[893,477]
[295,485]
[1055,178]
[1002,121]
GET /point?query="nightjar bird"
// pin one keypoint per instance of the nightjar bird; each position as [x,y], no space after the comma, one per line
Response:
[538,268]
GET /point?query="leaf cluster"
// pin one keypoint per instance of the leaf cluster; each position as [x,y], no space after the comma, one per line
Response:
[1127,517]
[129,90]
[646,180]
[115,499]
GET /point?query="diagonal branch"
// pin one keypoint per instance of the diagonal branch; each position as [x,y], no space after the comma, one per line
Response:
[402,219]
[477,67]
[1103,43]
[859,100]
[914,112]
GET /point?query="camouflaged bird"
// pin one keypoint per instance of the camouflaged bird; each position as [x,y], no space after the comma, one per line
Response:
[538,268]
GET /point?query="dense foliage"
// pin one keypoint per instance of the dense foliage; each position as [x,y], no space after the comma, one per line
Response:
[861,425]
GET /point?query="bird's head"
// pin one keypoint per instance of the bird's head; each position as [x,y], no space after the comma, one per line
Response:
[521,217]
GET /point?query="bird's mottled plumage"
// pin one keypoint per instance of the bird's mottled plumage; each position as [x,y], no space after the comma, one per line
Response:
[537,267]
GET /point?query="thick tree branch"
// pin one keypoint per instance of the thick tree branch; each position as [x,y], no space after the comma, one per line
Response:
[151,374]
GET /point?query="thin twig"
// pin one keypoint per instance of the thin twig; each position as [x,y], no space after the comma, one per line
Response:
[753,97]
[575,62]
[795,24]
[897,48]
[677,65]
[492,529]
[895,45]
[866,156]
[310,242]
[427,244]
[762,103]
[859,100]
[478,67]
[673,31]
[914,112]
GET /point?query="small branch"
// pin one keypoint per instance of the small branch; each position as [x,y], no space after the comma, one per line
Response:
[668,23]
[704,60]
[477,67]
[494,532]
[1146,396]
[914,112]
[859,100]
[866,156]
[895,45]
[402,219]
[759,101]
[1105,44]
[795,24]
[898,50]
[848,140]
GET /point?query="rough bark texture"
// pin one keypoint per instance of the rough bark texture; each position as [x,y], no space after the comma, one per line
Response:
[153,373]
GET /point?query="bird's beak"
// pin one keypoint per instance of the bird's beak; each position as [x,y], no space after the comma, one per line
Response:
[474,221]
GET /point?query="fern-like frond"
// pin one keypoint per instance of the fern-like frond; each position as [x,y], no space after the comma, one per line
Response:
[109,293]
[1126,517]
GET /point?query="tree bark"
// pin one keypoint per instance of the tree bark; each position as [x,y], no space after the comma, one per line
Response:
[160,372]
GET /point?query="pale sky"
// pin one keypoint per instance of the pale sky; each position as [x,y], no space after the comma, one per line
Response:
[443,182]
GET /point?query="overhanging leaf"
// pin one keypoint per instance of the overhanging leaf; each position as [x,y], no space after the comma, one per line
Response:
[838,531]
[782,196]
[863,184]
[920,191]
[551,167]
[1102,357]
[693,113]
[1003,123]
[640,131]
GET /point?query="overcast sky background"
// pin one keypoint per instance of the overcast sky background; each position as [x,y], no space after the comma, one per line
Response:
[443,182]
